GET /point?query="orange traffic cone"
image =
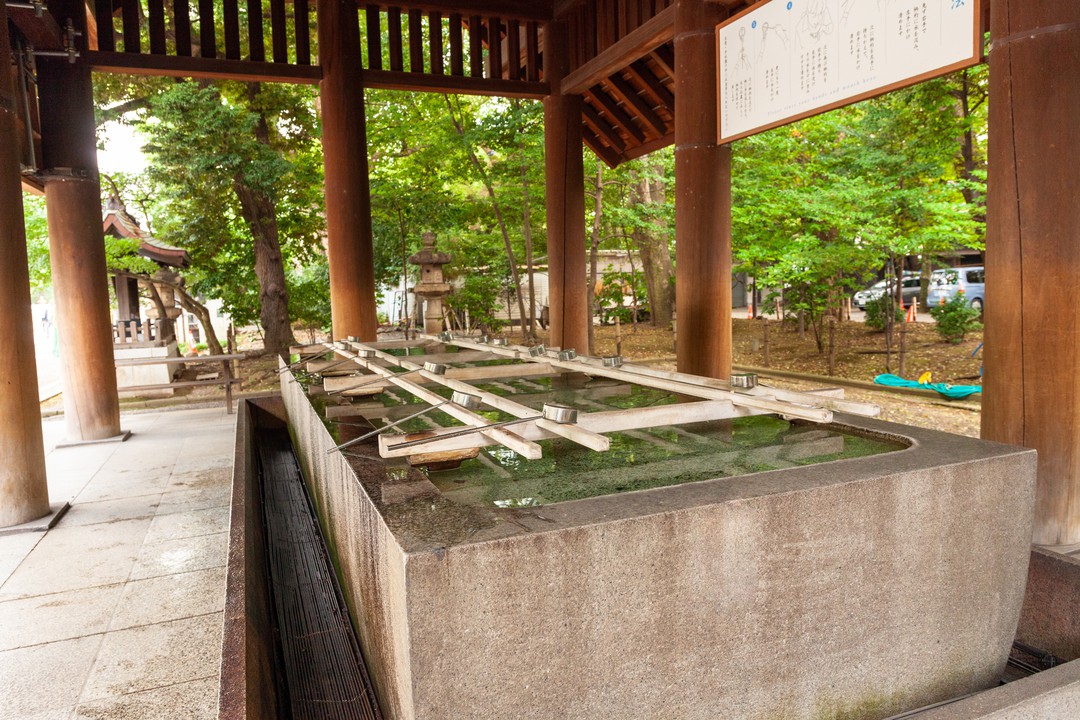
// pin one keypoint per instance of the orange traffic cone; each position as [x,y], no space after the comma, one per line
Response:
[911,312]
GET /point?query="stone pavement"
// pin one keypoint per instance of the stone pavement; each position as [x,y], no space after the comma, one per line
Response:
[117,611]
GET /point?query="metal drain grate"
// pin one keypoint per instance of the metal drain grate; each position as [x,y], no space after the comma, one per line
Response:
[324,670]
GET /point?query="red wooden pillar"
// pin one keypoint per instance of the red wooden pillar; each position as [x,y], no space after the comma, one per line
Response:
[565,177]
[1031,395]
[24,494]
[702,198]
[76,242]
[348,197]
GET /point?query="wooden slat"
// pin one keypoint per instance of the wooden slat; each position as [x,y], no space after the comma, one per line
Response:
[303,32]
[616,114]
[416,41]
[633,15]
[494,34]
[525,448]
[435,42]
[374,37]
[393,22]
[603,128]
[640,70]
[637,44]
[532,52]
[642,109]
[207,39]
[604,421]
[155,21]
[182,27]
[588,30]
[466,85]
[230,20]
[513,50]
[622,27]
[539,10]
[279,36]
[130,16]
[103,13]
[589,439]
[476,46]
[692,387]
[256,46]
[208,68]
[457,51]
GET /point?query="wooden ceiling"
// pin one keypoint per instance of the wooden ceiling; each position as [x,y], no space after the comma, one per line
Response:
[621,52]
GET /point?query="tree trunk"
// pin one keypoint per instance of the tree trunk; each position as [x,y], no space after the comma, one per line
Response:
[260,214]
[655,256]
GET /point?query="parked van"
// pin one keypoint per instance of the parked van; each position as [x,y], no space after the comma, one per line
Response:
[947,283]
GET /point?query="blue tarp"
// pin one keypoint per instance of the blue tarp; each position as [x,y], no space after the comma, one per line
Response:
[953,392]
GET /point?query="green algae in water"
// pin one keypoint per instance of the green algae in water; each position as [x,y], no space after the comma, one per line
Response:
[704,451]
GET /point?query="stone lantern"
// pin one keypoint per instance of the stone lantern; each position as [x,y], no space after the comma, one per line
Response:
[432,288]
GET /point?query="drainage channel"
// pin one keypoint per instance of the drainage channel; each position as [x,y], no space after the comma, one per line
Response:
[324,673]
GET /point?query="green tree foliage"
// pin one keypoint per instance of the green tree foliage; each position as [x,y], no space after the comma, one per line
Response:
[238,174]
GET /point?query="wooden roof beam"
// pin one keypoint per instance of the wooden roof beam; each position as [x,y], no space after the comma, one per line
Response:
[609,156]
[636,103]
[603,128]
[665,58]
[636,45]
[641,72]
[615,113]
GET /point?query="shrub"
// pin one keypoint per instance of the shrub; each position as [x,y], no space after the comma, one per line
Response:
[878,310]
[955,319]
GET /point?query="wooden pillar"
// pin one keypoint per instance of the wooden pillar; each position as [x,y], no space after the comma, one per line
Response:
[1031,395]
[348,197]
[76,242]
[24,494]
[568,298]
[702,198]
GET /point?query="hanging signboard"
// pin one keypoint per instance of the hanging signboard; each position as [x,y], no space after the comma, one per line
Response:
[783,60]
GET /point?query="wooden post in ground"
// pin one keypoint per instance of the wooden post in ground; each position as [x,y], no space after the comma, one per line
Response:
[24,494]
[702,197]
[348,197]
[76,242]
[1032,355]
[568,295]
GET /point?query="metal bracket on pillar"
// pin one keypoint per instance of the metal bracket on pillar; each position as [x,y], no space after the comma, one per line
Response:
[69,51]
[64,175]
[38,6]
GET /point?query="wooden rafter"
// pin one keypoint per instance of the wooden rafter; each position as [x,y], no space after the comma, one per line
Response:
[626,92]
[615,113]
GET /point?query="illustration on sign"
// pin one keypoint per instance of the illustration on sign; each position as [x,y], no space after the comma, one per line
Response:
[787,59]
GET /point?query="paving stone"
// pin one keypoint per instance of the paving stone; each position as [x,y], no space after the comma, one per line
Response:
[44,677]
[195,700]
[183,555]
[76,557]
[170,597]
[189,523]
[154,656]
[59,616]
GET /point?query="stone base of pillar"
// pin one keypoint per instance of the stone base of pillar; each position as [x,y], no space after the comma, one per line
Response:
[42,524]
[122,437]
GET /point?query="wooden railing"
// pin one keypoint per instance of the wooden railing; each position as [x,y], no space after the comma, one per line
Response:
[170,30]
[132,332]
[402,47]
